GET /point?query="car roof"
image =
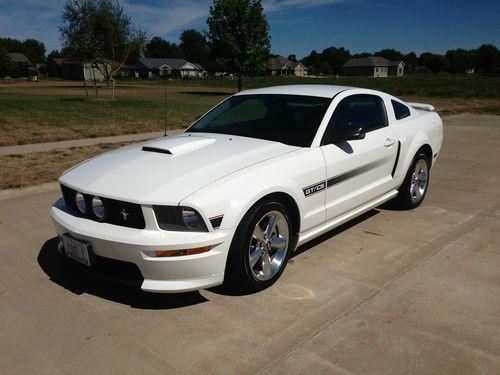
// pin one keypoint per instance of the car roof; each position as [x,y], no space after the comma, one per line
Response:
[325,91]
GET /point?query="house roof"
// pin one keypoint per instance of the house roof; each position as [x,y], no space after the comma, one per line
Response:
[370,61]
[116,64]
[59,60]
[158,62]
[198,66]
[280,62]
[18,57]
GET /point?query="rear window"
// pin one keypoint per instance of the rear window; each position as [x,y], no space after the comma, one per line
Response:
[400,110]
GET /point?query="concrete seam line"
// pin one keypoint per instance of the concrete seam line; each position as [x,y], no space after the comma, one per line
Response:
[484,215]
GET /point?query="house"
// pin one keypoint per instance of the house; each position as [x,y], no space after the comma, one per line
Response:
[373,66]
[159,67]
[79,71]
[54,66]
[281,66]
[76,70]
[23,64]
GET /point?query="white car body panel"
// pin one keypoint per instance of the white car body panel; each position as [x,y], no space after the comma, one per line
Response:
[137,176]
[224,176]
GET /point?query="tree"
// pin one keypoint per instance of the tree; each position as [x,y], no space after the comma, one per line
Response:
[459,60]
[390,54]
[487,58]
[435,63]
[292,58]
[411,62]
[335,58]
[330,61]
[54,54]
[238,36]
[158,47]
[34,51]
[313,62]
[195,47]
[97,31]
[11,45]
[361,55]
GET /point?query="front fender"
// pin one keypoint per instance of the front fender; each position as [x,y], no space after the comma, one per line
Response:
[233,195]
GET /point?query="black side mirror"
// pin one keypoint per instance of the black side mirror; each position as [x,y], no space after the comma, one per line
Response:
[347,134]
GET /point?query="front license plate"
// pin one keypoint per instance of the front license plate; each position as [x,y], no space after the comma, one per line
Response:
[76,250]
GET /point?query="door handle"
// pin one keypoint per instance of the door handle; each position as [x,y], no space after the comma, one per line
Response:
[389,142]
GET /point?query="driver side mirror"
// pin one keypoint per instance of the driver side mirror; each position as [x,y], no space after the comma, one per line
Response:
[348,134]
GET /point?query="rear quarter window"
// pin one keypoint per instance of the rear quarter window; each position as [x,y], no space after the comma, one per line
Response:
[400,110]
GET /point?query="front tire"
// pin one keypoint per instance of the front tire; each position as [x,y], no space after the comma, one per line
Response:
[260,248]
[414,188]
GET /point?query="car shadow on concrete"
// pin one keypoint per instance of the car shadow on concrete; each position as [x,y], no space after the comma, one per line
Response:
[229,290]
[69,275]
[324,237]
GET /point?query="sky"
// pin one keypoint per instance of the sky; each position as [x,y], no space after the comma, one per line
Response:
[296,26]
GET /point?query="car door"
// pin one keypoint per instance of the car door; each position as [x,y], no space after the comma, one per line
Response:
[359,170]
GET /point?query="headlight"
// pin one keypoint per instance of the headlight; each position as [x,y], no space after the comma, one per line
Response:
[80,202]
[98,208]
[179,219]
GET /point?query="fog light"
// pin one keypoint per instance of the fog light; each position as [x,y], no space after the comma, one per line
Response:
[80,202]
[177,253]
[98,208]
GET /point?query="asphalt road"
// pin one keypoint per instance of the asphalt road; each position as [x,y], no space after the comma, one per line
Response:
[393,292]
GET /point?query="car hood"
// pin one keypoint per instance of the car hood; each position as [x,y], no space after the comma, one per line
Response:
[168,169]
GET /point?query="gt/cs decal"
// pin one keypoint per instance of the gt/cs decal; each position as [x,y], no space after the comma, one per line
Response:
[316,188]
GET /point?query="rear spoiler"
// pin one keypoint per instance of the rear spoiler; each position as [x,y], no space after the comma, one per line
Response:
[425,107]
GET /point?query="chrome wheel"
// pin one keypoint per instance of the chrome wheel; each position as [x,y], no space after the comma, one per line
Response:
[268,245]
[419,180]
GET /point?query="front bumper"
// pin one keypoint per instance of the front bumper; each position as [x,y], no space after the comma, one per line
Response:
[168,274]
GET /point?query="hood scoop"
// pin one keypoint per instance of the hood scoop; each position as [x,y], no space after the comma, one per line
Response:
[177,145]
[156,149]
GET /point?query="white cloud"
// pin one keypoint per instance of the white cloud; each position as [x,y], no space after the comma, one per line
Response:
[169,17]
[40,19]
[278,5]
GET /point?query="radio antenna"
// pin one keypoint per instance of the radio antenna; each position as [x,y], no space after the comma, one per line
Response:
[165,97]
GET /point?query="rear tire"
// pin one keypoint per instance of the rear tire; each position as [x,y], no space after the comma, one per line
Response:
[415,185]
[260,248]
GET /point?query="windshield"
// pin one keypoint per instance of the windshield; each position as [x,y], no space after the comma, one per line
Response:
[289,119]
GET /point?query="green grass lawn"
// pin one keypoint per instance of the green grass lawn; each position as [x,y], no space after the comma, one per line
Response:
[52,113]
[57,110]
[431,85]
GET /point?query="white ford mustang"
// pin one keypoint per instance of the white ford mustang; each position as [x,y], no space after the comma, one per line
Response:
[234,195]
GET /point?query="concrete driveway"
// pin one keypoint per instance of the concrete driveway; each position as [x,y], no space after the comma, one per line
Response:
[393,292]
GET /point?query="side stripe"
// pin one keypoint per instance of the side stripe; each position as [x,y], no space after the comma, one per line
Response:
[319,186]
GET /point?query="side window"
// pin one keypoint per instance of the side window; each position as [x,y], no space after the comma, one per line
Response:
[358,111]
[400,110]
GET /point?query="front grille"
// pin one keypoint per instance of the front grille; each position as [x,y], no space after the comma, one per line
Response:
[120,213]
